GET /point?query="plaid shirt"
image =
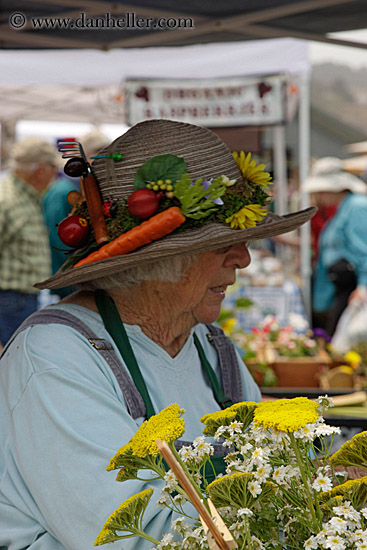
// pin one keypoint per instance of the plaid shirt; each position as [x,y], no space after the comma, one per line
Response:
[24,246]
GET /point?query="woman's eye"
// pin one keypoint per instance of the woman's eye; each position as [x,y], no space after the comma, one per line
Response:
[224,250]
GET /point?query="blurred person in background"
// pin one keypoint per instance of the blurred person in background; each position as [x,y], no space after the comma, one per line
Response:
[24,247]
[340,273]
[56,207]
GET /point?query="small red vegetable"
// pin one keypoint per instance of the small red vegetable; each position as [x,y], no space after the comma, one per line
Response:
[73,230]
[143,203]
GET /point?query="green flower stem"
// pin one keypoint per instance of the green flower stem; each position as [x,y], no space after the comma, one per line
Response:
[247,538]
[144,535]
[316,523]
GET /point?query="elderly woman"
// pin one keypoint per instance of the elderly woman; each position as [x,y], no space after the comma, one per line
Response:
[81,376]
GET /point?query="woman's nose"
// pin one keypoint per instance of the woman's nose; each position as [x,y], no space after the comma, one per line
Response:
[238,256]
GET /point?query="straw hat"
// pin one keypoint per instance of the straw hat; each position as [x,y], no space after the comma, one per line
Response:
[207,158]
[327,174]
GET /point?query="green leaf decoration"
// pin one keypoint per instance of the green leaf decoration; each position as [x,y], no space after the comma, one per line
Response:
[161,167]
[197,202]
[79,254]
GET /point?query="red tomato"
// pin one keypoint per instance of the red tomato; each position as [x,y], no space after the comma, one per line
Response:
[73,230]
[143,203]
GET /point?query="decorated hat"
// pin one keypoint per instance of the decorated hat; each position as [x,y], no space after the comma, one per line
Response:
[167,188]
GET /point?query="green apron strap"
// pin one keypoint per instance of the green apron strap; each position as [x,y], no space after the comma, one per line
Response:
[219,394]
[114,325]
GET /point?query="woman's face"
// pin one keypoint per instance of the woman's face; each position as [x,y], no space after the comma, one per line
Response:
[202,289]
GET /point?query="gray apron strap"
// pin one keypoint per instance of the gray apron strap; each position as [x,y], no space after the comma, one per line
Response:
[231,375]
[134,401]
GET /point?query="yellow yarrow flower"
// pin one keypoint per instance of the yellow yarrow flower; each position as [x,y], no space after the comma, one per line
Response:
[354,490]
[248,216]
[235,490]
[167,425]
[249,169]
[286,415]
[352,453]
[104,537]
[241,412]
[125,518]
[113,464]
[226,414]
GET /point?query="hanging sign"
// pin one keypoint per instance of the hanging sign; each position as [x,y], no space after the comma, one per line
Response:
[236,101]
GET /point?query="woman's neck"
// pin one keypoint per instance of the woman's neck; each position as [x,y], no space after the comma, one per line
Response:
[153,309]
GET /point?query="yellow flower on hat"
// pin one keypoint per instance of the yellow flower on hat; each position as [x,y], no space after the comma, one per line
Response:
[248,216]
[250,170]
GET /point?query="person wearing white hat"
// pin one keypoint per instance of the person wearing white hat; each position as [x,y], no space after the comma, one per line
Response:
[24,246]
[341,269]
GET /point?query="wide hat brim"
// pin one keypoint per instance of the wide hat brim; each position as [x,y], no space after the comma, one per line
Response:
[209,237]
[334,183]
[206,156]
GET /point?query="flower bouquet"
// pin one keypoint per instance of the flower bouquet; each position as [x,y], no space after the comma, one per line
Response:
[280,488]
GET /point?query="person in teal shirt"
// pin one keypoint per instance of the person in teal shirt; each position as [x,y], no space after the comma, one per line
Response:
[341,269]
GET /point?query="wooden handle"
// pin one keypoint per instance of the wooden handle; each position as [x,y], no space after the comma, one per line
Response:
[95,208]
[191,493]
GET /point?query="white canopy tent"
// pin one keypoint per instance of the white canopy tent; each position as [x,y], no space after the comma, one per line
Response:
[48,84]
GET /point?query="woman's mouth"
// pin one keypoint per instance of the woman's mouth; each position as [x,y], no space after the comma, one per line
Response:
[219,290]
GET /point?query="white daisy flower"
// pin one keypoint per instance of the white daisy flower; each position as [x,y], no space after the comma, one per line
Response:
[324,429]
[322,483]
[347,511]
[338,525]
[170,479]
[245,512]
[166,542]
[311,543]
[263,472]
[255,488]
[334,542]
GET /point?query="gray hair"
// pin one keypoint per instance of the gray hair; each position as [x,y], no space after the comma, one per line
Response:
[32,151]
[167,270]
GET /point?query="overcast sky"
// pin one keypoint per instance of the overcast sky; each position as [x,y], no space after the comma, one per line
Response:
[354,57]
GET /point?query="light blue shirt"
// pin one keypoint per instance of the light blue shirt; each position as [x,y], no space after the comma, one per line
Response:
[63,416]
[344,236]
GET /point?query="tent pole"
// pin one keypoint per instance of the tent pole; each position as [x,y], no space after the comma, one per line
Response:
[304,163]
[280,170]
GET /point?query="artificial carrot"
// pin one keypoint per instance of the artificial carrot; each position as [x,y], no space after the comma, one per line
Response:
[150,230]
